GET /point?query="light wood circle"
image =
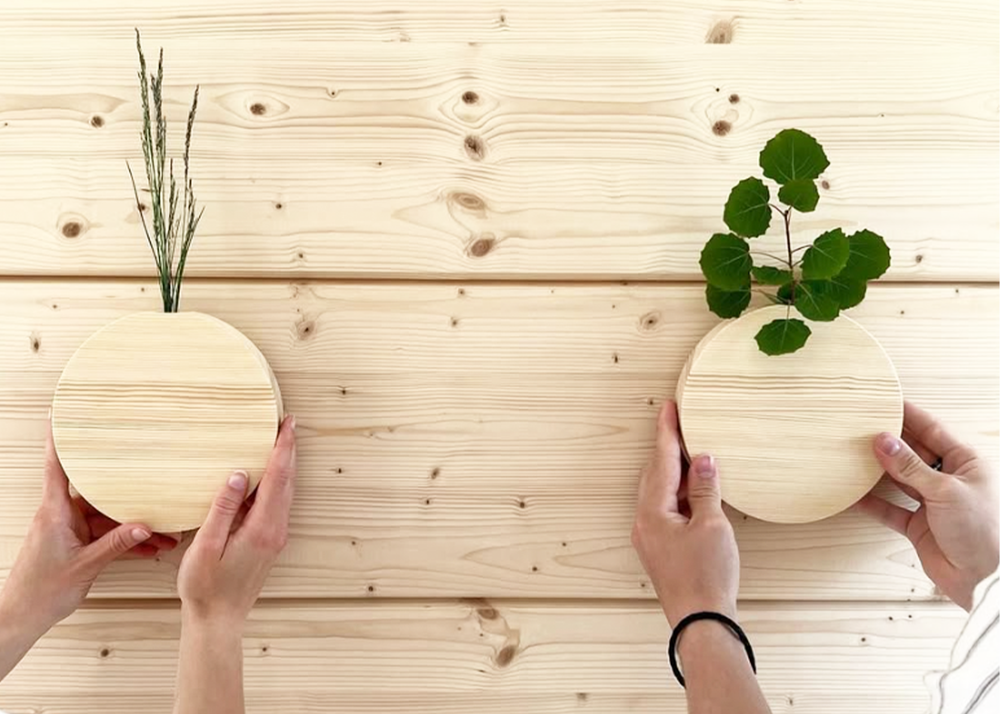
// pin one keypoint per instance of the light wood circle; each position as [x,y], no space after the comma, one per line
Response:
[792,434]
[155,410]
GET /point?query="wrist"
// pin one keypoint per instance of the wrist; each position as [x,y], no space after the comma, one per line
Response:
[215,627]
[21,621]
[706,645]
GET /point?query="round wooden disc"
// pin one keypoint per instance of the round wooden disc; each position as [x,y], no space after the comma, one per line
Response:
[154,411]
[792,434]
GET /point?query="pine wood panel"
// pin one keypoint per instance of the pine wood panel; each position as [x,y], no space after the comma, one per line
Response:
[485,439]
[754,22]
[489,656]
[577,160]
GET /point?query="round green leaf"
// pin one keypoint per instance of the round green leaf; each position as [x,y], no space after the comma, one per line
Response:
[826,257]
[748,210]
[869,256]
[847,291]
[791,155]
[800,194]
[725,262]
[727,303]
[768,275]
[815,300]
[782,337]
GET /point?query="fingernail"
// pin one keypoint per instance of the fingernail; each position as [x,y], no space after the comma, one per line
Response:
[704,466]
[238,480]
[49,415]
[140,534]
[291,422]
[888,444]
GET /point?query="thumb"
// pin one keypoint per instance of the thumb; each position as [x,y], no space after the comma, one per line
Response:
[704,496]
[904,466]
[214,532]
[114,544]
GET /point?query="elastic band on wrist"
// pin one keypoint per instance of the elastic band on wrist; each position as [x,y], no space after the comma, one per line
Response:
[717,617]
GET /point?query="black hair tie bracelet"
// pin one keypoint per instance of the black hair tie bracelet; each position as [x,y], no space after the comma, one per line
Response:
[717,617]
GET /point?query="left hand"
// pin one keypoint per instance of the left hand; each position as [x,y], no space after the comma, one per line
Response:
[67,546]
[692,560]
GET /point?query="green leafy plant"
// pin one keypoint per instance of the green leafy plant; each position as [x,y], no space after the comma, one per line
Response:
[175,216]
[832,273]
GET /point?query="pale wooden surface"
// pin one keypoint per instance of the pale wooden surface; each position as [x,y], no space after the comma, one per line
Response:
[792,434]
[332,143]
[478,398]
[154,411]
[521,656]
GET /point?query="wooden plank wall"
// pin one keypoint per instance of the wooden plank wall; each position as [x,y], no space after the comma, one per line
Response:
[465,235]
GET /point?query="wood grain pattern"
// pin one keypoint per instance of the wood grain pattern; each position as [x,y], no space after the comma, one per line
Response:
[430,413]
[580,160]
[892,23]
[154,411]
[524,656]
[791,433]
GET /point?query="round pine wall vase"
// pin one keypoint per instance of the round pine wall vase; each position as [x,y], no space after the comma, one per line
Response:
[792,433]
[155,410]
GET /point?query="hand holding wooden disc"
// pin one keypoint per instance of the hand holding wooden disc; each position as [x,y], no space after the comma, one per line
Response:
[154,411]
[792,434]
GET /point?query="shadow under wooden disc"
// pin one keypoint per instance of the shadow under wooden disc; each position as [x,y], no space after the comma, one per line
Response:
[792,434]
[155,410]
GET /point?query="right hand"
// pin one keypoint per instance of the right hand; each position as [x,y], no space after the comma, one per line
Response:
[956,526]
[223,571]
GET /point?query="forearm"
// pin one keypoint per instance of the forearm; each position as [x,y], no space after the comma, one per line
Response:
[19,631]
[718,673]
[210,668]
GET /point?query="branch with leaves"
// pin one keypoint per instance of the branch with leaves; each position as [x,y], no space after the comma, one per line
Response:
[175,215]
[834,270]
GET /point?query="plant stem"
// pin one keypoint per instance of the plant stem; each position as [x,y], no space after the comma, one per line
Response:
[788,242]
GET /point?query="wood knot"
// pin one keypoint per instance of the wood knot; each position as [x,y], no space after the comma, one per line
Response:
[469,201]
[721,127]
[470,97]
[487,613]
[475,147]
[305,329]
[435,472]
[506,655]
[825,184]
[97,121]
[720,34]
[105,653]
[734,98]
[650,320]
[919,258]
[582,697]
[72,229]
[482,245]
[36,343]
[258,109]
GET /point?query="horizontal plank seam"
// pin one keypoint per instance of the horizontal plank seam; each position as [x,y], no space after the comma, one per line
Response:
[451,280]
[306,602]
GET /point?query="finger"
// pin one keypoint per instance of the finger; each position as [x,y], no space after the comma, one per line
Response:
[100,524]
[113,545]
[277,486]
[928,430]
[895,517]
[704,494]
[904,466]
[925,454]
[55,486]
[661,478]
[214,532]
